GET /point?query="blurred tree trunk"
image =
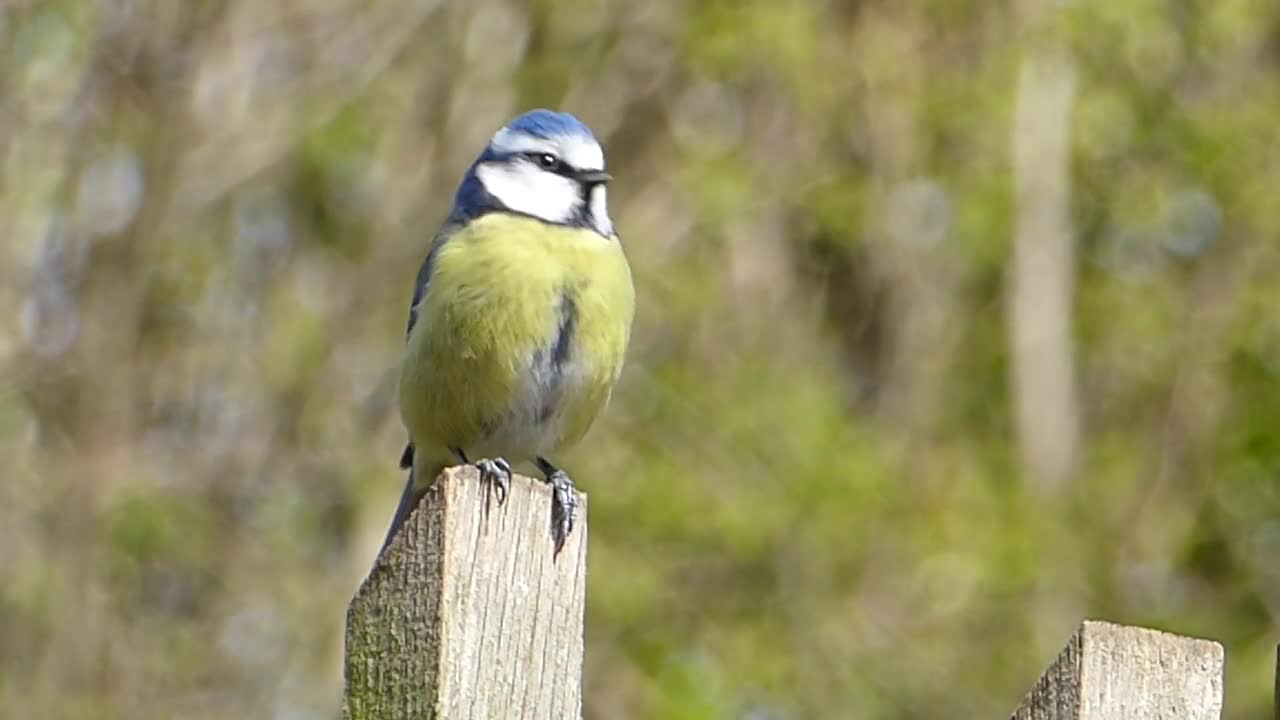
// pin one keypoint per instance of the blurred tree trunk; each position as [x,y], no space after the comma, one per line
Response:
[909,236]
[1042,270]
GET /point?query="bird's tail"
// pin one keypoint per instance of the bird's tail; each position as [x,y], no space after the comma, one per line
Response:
[415,488]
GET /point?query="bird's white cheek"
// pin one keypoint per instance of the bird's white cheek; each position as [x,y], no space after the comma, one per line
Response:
[531,191]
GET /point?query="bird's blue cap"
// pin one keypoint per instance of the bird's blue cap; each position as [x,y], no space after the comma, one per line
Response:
[549,124]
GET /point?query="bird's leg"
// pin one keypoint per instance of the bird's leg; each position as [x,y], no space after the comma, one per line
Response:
[494,472]
[564,502]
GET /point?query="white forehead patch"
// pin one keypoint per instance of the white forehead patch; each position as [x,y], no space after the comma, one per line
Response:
[581,152]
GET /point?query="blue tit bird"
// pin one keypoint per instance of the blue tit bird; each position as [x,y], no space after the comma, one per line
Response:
[520,317]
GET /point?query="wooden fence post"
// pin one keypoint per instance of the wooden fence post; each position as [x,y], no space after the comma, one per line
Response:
[468,614]
[1114,672]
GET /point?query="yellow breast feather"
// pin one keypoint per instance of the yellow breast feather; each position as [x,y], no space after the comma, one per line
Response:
[519,338]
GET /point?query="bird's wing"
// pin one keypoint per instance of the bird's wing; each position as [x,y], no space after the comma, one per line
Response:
[419,292]
[424,273]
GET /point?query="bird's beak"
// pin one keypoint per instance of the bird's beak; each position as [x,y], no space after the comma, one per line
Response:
[592,177]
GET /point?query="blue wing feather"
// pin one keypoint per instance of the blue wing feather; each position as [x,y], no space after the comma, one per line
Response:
[419,292]
[423,280]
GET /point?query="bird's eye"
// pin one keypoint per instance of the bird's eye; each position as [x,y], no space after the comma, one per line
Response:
[546,161]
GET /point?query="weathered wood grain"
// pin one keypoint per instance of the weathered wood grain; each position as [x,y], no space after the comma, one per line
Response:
[1114,672]
[468,614]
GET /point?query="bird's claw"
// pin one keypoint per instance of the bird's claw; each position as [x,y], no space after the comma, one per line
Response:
[564,507]
[495,473]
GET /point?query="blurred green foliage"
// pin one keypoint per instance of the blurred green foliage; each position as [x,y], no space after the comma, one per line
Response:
[808,499]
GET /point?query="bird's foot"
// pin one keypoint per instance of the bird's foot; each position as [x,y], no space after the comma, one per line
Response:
[495,473]
[564,507]
[564,503]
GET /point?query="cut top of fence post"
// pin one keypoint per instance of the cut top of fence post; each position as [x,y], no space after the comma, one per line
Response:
[1115,672]
[468,613]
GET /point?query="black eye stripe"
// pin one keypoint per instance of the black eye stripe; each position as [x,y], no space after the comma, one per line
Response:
[548,162]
